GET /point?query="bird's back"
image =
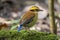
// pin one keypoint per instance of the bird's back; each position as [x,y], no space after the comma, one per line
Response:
[27,16]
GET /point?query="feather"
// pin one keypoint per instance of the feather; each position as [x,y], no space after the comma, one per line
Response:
[19,28]
[27,18]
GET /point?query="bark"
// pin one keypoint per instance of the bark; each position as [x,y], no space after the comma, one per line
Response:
[53,27]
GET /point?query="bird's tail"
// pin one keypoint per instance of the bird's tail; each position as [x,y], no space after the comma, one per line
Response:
[19,28]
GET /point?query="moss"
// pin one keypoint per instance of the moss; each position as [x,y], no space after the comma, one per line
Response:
[26,35]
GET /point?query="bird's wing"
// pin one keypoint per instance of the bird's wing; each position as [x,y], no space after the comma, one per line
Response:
[27,18]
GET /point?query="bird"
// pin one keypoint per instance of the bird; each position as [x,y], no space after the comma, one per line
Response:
[29,18]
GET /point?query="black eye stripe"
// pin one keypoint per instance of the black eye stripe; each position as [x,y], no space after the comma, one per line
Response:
[34,10]
[37,10]
[31,10]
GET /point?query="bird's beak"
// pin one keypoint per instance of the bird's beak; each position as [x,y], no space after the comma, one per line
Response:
[40,10]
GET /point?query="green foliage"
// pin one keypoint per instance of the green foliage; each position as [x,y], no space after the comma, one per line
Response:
[26,35]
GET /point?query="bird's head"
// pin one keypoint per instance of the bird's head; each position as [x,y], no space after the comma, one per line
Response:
[35,9]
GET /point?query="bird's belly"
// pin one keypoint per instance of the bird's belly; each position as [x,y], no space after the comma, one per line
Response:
[32,23]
